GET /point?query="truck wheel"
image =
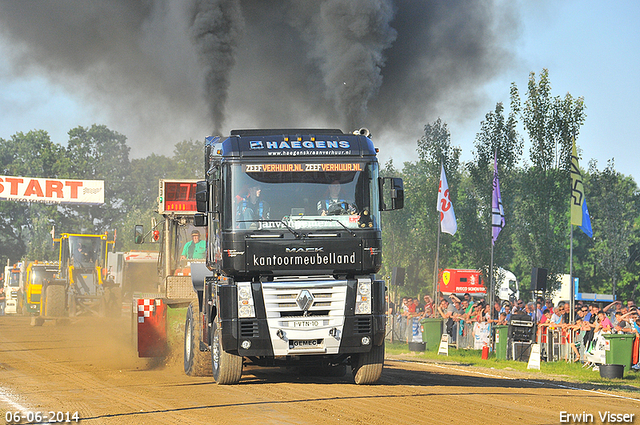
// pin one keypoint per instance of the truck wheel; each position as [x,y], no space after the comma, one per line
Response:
[227,368]
[196,362]
[368,366]
[54,301]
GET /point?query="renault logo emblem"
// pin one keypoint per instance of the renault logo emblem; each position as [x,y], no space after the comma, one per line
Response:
[304,300]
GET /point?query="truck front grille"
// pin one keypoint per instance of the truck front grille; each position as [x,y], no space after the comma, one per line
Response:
[328,299]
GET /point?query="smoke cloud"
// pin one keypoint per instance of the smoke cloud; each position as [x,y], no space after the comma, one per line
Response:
[161,71]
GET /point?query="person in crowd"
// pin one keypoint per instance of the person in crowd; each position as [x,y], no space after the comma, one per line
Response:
[3,298]
[502,319]
[481,329]
[418,309]
[467,297]
[603,323]
[576,331]
[404,309]
[549,304]
[611,309]
[390,306]
[556,317]
[411,307]
[566,313]
[428,306]
[506,308]
[545,320]
[539,306]
[195,249]
[495,312]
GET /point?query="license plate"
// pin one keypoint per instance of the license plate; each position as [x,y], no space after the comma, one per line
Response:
[305,344]
[305,324]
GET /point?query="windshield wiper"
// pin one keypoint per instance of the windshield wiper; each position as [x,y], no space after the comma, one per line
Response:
[351,232]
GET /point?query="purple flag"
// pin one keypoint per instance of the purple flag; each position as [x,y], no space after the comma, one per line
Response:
[497,212]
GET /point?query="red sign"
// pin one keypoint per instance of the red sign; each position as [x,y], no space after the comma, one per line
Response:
[458,281]
[28,189]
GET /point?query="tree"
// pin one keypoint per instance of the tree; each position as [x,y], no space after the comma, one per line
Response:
[29,154]
[98,153]
[498,137]
[541,219]
[614,205]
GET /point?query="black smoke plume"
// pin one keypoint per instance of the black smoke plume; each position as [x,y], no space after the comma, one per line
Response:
[162,71]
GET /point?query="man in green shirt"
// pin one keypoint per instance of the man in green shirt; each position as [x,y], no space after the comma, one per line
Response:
[195,249]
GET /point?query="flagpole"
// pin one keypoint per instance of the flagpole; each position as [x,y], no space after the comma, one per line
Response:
[572,295]
[491,288]
[436,301]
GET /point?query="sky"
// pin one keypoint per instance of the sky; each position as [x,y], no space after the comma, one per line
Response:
[390,66]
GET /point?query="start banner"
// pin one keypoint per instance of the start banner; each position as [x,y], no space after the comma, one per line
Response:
[59,191]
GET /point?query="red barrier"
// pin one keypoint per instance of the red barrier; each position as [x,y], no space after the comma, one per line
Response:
[152,327]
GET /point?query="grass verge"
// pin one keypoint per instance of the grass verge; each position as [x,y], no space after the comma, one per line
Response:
[560,370]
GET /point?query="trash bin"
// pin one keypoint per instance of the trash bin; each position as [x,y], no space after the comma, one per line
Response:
[619,349]
[501,341]
[431,333]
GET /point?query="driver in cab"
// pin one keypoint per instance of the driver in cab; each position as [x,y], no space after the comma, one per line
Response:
[334,204]
[195,249]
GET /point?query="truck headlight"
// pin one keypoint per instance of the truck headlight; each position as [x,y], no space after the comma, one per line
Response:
[363,297]
[246,308]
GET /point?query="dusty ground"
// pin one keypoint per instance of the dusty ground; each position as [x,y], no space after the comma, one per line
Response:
[89,366]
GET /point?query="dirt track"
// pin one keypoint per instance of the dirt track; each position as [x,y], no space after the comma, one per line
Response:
[89,366]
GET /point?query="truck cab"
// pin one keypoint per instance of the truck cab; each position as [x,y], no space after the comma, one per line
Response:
[293,227]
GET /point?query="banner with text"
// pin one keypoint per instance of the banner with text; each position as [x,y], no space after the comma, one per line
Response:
[58,191]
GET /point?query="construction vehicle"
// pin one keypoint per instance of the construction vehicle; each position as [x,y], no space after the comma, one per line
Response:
[81,286]
[36,273]
[14,276]
[172,287]
[292,224]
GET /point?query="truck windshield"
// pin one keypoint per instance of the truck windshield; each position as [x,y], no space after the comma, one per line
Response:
[302,196]
[86,250]
[40,275]
[14,279]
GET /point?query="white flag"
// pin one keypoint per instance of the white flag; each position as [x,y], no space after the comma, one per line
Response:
[448,222]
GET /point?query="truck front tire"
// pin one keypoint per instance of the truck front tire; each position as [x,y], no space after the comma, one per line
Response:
[196,362]
[54,298]
[227,368]
[367,367]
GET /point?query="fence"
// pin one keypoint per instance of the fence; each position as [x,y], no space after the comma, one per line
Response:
[555,342]
[402,328]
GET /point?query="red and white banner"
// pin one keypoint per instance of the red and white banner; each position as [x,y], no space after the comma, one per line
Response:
[59,191]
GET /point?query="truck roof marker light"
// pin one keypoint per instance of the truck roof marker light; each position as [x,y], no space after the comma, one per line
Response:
[313,138]
[299,139]
[377,150]
[286,138]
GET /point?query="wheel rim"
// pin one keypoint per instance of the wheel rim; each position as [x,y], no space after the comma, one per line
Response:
[215,353]
[188,339]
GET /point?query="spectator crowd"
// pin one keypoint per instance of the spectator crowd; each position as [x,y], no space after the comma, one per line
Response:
[472,318]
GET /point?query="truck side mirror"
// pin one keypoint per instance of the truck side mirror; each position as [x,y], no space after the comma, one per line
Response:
[200,220]
[202,196]
[138,234]
[395,194]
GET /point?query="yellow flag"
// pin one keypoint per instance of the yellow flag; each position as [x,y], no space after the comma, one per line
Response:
[577,189]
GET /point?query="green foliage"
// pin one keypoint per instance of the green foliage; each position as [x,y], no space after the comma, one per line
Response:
[535,196]
[96,152]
